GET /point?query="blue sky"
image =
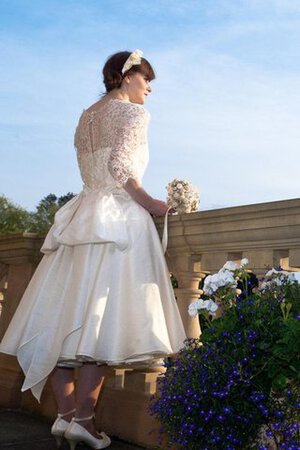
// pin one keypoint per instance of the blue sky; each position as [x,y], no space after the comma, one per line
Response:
[225,105]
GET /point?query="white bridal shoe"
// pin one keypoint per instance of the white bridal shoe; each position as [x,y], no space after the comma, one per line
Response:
[76,433]
[60,426]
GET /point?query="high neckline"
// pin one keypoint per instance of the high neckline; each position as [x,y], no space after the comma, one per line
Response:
[95,111]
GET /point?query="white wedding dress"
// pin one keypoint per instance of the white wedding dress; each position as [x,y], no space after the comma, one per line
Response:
[102,290]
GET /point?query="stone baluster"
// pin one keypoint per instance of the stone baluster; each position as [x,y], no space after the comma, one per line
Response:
[186,269]
[19,255]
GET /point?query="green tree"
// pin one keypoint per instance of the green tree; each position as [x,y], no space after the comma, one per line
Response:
[44,216]
[13,218]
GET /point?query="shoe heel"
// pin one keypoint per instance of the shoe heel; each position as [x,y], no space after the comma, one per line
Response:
[72,443]
[59,440]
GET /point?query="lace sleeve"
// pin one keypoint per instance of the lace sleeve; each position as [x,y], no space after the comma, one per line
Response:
[130,133]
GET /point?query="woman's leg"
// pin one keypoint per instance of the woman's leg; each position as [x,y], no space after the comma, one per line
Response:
[88,386]
[62,381]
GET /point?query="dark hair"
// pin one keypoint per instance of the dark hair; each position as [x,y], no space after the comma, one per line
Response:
[112,70]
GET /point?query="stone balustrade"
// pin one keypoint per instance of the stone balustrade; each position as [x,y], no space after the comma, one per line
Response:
[268,234]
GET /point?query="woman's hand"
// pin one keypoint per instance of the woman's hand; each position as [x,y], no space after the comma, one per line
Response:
[158,208]
[155,207]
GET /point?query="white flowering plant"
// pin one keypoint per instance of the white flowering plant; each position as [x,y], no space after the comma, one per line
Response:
[220,291]
[278,284]
[182,196]
[275,280]
[209,305]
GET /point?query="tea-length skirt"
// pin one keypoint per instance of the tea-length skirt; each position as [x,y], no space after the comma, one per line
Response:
[101,292]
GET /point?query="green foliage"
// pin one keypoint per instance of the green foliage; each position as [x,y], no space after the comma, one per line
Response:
[174,281]
[15,219]
[46,210]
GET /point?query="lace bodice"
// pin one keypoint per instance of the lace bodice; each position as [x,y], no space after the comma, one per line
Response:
[111,144]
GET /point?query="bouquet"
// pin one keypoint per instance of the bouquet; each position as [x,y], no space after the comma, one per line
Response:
[182,196]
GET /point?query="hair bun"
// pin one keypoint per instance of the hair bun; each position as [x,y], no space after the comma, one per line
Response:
[112,80]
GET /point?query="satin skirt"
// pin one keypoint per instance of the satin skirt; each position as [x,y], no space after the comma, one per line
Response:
[101,292]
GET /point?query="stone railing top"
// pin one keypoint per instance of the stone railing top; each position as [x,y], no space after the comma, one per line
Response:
[268,225]
[19,248]
[231,232]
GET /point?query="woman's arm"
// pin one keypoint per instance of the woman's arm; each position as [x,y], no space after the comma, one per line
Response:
[138,193]
[130,124]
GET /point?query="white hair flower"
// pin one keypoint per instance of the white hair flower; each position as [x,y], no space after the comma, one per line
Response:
[134,59]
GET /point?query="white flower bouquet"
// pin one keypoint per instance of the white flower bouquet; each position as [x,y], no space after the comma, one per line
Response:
[182,196]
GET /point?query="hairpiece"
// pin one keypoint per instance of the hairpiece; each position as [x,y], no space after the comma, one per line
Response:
[134,59]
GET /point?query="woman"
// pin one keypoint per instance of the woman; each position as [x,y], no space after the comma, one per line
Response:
[101,294]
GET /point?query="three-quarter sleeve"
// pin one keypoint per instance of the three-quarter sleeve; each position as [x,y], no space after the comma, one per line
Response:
[130,131]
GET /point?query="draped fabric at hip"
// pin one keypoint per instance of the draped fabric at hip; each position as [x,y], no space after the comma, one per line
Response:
[90,217]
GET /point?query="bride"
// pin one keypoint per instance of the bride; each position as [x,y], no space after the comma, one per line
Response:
[102,293]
